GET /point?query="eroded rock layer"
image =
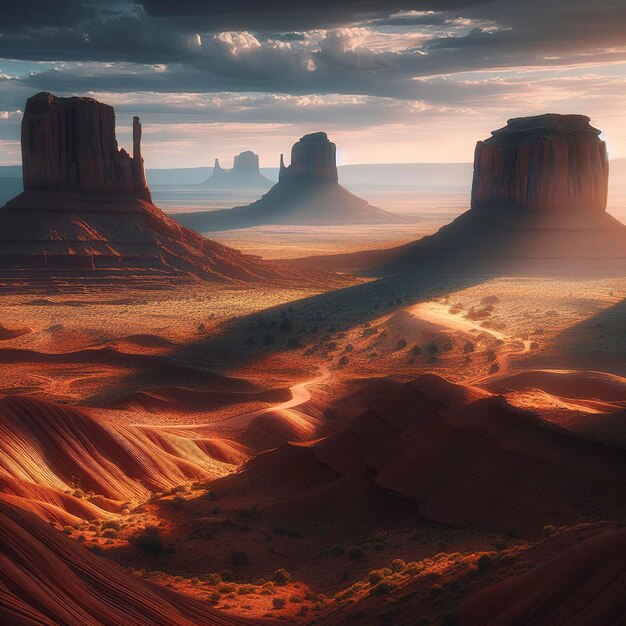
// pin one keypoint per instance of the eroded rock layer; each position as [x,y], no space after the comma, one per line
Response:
[70,144]
[307,193]
[543,163]
[86,213]
[314,156]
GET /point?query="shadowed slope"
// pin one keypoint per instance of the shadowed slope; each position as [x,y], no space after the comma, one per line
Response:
[584,586]
[464,457]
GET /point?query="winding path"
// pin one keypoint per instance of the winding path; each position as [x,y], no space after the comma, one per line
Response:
[299,395]
[440,314]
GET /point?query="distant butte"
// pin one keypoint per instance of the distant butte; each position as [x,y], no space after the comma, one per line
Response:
[307,193]
[543,163]
[539,197]
[245,174]
[86,212]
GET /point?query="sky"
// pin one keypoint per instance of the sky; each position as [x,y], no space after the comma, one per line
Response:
[390,81]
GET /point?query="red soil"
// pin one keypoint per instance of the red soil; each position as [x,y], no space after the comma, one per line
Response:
[46,579]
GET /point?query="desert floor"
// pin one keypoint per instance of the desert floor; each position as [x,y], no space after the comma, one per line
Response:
[243,371]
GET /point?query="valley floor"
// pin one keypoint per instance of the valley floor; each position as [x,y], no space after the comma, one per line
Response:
[380,454]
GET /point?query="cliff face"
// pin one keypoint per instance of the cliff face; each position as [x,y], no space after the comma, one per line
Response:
[543,163]
[69,144]
[313,157]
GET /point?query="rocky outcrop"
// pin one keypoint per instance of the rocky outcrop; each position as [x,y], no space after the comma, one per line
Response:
[543,163]
[86,217]
[313,157]
[69,144]
[245,174]
[538,204]
[307,192]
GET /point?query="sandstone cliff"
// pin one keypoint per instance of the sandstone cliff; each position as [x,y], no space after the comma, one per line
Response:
[314,157]
[86,216]
[69,144]
[543,163]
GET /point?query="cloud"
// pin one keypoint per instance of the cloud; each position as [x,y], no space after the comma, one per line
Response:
[363,64]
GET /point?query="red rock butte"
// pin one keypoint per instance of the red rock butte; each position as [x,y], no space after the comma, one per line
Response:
[547,162]
[314,156]
[307,193]
[539,198]
[69,144]
[86,213]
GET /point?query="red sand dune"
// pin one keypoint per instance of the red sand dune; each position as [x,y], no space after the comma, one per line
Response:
[462,456]
[46,579]
[48,449]
[584,586]
[567,383]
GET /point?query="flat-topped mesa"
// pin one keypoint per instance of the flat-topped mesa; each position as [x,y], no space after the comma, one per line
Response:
[69,144]
[542,163]
[313,157]
[247,162]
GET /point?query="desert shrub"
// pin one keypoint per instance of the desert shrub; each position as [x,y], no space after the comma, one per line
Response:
[343,360]
[67,530]
[245,590]
[383,588]
[375,576]
[397,565]
[468,347]
[278,603]
[550,530]
[251,513]
[214,598]
[416,351]
[212,578]
[111,523]
[400,344]
[348,348]
[432,348]
[226,588]
[148,540]
[413,568]
[356,553]
[484,562]
[110,533]
[238,558]
[281,576]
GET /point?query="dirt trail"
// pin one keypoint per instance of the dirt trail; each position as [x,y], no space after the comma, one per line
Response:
[440,314]
[299,395]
